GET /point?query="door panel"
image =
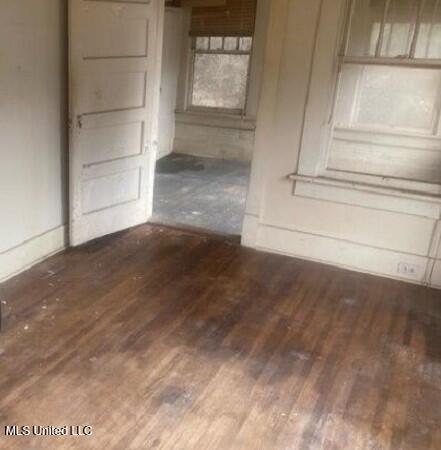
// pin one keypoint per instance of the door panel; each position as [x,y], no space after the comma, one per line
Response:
[102,192]
[108,43]
[107,92]
[105,143]
[115,62]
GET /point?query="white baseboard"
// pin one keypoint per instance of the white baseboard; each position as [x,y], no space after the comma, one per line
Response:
[344,254]
[34,250]
[321,249]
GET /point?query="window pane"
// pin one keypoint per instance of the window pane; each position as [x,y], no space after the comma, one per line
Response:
[398,30]
[386,123]
[429,36]
[220,81]
[365,27]
[389,98]
[245,44]
[216,43]
[230,43]
[202,43]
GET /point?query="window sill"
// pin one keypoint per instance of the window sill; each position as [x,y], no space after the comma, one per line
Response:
[386,186]
[216,119]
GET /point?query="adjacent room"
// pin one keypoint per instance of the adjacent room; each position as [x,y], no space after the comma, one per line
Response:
[220,224]
[209,90]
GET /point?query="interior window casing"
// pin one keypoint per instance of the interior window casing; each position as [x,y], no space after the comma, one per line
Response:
[334,115]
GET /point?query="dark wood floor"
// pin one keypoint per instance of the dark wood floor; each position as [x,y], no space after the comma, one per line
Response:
[164,339]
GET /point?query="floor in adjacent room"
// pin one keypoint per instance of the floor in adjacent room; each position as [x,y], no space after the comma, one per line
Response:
[168,339]
[201,193]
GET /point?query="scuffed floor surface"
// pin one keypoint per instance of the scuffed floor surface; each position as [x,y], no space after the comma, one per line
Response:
[201,193]
[164,339]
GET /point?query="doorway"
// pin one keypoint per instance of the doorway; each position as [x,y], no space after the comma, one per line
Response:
[202,142]
[207,125]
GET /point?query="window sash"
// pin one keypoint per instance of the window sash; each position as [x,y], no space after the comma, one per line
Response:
[409,60]
[195,51]
[435,129]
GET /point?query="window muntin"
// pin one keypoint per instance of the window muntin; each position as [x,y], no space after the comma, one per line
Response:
[220,73]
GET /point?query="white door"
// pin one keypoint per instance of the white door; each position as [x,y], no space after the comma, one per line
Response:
[115,66]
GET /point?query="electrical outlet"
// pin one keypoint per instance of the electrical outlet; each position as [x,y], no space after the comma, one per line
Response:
[410,270]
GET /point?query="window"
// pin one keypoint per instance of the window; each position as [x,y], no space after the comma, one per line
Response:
[387,112]
[384,118]
[220,73]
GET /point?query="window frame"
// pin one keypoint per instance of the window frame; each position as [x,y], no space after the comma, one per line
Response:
[195,51]
[329,55]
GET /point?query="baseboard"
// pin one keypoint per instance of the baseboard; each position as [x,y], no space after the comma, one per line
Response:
[34,250]
[343,254]
[269,238]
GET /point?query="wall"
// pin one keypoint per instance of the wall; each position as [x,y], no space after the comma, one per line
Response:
[169,79]
[214,135]
[33,104]
[219,135]
[342,225]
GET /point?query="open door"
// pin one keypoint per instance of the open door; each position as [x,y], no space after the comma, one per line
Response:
[115,66]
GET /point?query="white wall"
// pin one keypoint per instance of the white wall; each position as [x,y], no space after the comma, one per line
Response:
[169,78]
[214,135]
[340,225]
[33,105]
[217,135]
